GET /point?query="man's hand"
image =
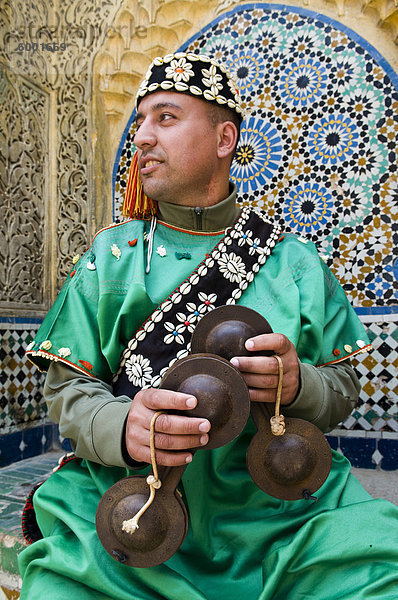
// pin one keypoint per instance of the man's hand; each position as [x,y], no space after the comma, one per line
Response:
[261,372]
[174,434]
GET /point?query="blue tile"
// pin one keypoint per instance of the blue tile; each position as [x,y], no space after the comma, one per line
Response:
[333,441]
[359,451]
[9,448]
[48,431]
[389,450]
[32,440]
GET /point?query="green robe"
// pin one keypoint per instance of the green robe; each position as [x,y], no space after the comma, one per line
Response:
[240,541]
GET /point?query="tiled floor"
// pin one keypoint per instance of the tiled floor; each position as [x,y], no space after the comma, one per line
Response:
[17,480]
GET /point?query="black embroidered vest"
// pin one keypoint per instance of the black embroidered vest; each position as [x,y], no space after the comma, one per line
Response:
[221,278]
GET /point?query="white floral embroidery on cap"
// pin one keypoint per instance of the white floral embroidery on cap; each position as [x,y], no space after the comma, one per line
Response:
[179,70]
[211,79]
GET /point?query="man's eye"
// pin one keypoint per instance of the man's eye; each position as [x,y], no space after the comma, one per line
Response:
[166,116]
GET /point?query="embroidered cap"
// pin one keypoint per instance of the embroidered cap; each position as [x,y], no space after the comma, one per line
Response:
[197,75]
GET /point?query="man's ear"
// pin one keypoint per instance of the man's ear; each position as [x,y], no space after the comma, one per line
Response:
[227,138]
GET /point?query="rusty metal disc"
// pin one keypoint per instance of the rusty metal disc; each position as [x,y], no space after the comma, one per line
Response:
[222,394]
[292,465]
[224,331]
[162,528]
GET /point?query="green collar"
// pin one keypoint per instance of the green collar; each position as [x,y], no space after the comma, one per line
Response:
[212,218]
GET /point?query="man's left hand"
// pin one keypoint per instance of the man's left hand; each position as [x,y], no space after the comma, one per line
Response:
[261,373]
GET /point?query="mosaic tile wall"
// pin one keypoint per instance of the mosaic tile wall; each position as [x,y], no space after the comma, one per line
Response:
[20,382]
[318,152]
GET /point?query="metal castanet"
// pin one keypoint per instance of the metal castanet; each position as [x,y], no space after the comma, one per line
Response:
[224,331]
[223,398]
[289,466]
[162,528]
[221,392]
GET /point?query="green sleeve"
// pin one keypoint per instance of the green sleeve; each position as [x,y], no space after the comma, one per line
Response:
[88,414]
[327,395]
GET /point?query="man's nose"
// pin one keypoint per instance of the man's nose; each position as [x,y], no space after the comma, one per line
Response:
[145,135]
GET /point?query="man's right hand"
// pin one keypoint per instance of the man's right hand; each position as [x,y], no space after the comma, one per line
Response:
[174,434]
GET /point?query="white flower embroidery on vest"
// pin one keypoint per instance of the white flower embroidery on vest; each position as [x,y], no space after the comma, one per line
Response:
[254,246]
[208,302]
[196,312]
[175,333]
[46,345]
[138,370]
[232,267]
[245,238]
[184,311]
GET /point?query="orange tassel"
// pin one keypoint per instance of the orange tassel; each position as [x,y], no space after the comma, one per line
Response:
[136,203]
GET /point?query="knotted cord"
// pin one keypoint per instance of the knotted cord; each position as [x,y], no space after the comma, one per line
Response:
[278,421]
[154,483]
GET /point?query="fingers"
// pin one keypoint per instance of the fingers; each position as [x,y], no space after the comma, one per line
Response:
[276,342]
[263,387]
[174,434]
[261,373]
[155,400]
[180,425]
[164,441]
[266,366]
[166,459]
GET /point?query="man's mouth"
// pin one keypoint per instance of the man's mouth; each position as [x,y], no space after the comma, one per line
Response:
[148,166]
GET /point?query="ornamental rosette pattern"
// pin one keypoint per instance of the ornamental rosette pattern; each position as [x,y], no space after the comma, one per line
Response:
[333,140]
[179,70]
[232,267]
[138,370]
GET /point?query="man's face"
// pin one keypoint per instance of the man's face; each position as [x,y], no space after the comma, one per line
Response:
[177,148]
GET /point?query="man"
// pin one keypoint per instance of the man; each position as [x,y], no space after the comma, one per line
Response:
[126,314]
